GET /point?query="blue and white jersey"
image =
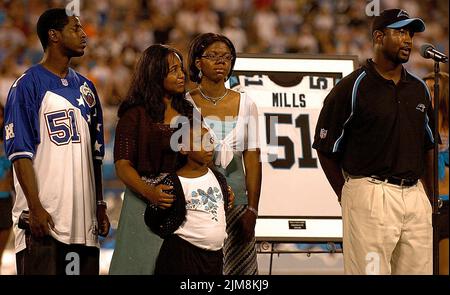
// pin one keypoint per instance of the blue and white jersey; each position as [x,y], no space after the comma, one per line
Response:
[58,124]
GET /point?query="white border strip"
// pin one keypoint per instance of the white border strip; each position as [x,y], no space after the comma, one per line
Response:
[30,155]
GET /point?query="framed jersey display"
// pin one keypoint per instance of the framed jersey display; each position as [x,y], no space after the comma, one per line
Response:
[289,91]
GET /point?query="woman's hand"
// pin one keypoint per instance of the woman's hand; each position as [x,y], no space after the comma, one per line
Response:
[248,222]
[157,196]
[231,198]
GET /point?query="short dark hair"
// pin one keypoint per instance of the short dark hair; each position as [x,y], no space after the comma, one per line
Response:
[56,19]
[198,47]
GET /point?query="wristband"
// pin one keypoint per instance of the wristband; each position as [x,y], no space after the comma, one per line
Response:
[102,203]
[253,210]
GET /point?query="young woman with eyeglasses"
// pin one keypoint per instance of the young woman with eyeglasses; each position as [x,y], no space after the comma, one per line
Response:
[231,118]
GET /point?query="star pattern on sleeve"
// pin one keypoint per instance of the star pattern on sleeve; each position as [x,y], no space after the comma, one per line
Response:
[97,146]
[80,101]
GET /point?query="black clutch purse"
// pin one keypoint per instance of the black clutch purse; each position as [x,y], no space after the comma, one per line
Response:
[24,221]
[164,222]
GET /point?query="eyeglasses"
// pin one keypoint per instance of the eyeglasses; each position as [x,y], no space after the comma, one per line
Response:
[216,58]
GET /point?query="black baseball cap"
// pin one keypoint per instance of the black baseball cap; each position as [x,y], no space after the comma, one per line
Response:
[396,19]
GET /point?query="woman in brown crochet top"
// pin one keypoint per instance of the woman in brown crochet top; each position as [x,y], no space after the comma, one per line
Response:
[143,155]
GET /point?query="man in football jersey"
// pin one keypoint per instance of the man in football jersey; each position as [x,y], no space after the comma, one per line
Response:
[54,138]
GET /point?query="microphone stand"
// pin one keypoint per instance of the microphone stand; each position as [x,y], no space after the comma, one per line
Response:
[435,198]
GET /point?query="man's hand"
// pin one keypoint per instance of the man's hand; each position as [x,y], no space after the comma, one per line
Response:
[332,168]
[103,221]
[40,221]
[248,222]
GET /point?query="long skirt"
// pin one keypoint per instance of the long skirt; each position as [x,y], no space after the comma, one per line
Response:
[239,257]
[137,247]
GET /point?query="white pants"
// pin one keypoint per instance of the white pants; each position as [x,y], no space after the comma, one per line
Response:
[387,229]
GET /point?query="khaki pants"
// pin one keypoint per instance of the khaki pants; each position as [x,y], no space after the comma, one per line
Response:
[387,229]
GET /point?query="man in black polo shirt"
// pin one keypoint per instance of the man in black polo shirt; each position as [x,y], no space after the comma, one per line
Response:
[374,140]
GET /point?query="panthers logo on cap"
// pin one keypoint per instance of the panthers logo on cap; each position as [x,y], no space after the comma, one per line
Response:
[402,13]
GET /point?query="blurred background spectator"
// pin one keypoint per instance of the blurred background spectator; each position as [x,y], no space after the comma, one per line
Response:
[119,30]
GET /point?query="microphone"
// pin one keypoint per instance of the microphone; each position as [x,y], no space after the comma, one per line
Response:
[428,51]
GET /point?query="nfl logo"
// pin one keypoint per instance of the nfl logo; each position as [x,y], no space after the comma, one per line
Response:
[323,133]
[87,94]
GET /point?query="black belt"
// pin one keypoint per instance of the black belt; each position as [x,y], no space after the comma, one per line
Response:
[396,180]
